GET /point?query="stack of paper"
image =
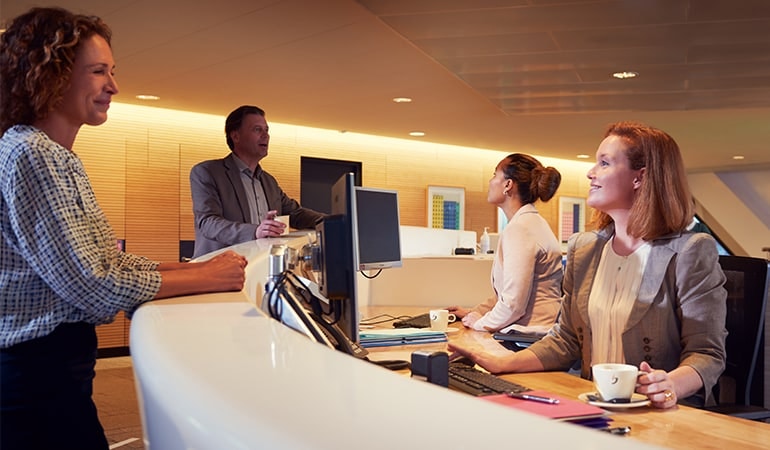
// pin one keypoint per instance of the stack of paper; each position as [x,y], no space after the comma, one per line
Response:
[399,336]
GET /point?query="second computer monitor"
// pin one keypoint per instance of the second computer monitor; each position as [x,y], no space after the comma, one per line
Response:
[377,228]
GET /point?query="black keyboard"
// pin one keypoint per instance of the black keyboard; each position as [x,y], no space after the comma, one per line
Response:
[475,382]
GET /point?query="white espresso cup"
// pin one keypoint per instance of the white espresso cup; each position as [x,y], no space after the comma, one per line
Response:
[615,381]
[284,220]
[439,319]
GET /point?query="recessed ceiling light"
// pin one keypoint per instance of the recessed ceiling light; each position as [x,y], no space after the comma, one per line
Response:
[417,133]
[147,97]
[738,157]
[625,75]
[402,100]
[583,156]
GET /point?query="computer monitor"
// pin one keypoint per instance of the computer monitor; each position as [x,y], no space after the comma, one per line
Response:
[378,231]
[337,238]
[361,233]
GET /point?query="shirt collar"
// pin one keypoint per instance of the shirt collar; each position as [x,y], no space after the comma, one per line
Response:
[242,167]
[525,209]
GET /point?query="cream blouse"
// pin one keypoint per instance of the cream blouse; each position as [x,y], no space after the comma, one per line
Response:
[613,294]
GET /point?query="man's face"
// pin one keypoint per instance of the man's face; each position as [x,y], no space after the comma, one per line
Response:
[252,138]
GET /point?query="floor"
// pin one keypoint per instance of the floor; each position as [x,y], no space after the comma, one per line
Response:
[115,398]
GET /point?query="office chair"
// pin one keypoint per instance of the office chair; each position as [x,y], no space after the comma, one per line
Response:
[740,390]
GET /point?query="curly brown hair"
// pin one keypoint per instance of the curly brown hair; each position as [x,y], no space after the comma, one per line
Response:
[37,53]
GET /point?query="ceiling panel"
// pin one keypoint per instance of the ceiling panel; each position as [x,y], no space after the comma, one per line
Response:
[756,52]
[455,47]
[530,19]
[560,60]
[720,10]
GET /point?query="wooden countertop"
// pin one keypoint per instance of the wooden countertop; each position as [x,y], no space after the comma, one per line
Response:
[681,427]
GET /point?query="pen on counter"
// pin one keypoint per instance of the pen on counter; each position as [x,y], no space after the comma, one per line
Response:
[534,398]
[617,430]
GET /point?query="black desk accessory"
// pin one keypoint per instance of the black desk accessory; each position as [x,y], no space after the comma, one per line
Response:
[431,366]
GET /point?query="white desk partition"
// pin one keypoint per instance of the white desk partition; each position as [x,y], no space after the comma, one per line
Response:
[431,275]
[423,241]
[431,282]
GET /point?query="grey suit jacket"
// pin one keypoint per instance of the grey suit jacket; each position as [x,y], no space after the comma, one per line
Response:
[221,209]
[678,319]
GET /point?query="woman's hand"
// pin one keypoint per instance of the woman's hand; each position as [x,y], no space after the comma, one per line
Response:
[471,318]
[458,311]
[489,362]
[657,386]
[226,271]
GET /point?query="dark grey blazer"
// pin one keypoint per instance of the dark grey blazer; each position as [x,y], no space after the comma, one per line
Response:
[678,319]
[221,208]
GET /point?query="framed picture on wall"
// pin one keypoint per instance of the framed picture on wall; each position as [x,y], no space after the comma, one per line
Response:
[446,207]
[572,218]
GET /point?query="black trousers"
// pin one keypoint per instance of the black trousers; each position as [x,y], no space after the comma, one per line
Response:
[47,383]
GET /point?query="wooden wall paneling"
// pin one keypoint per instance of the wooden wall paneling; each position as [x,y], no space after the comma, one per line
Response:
[283,162]
[191,154]
[376,173]
[410,174]
[126,329]
[103,155]
[113,334]
[152,199]
[479,213]
[550,212]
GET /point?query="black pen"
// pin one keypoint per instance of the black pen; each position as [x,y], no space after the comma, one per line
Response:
[534,398]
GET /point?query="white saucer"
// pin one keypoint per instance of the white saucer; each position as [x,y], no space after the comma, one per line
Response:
[452,330]
[637,400]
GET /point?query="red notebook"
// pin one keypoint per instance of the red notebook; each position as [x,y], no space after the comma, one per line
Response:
[566,409]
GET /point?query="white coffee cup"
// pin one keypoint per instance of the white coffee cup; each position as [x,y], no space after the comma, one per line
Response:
[615,381]
[285,220]
[439,319]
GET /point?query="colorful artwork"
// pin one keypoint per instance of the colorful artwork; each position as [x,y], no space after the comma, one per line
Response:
[446,207]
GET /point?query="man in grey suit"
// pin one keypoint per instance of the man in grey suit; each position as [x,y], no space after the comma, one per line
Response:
[234,200]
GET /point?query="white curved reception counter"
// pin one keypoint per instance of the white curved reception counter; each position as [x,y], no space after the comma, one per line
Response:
[213,372]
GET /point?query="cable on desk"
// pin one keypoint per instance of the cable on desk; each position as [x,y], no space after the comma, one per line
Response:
[289,280]
[371,276]
[387,318]
[392,364]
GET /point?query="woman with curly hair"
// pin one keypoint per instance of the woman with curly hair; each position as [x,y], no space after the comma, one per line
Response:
[60,271]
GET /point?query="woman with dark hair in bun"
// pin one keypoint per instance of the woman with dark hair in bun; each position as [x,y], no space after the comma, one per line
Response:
[527,268]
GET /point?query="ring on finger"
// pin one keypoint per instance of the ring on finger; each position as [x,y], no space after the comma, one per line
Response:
[668,394]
